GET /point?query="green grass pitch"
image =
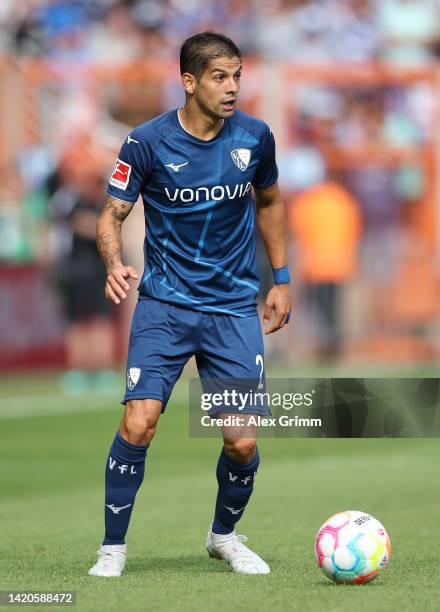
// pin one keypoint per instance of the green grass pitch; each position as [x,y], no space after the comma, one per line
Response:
[53,451]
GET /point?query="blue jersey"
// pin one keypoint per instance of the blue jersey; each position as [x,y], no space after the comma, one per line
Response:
[199,249]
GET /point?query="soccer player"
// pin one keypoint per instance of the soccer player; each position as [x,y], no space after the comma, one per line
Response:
[195,167]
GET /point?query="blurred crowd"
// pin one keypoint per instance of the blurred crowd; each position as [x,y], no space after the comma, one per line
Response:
[297,30]
[89,129]
[344,154]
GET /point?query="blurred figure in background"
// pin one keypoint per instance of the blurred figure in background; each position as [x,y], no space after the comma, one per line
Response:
[90,337]
[410,29]
[325,221]
[357,37]
[374,184]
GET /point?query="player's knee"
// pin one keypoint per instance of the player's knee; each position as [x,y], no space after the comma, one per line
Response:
[140,431]
[139,427]
[241,450]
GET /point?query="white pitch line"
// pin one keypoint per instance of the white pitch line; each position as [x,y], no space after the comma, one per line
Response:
[40,405]
[21,407]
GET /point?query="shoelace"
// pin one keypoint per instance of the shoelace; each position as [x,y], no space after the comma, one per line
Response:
[105,556]
[247,556]
[237,542]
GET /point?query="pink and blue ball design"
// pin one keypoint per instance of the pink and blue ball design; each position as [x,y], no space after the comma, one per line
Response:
[352,547]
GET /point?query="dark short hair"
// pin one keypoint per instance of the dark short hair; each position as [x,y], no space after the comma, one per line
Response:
[198,50]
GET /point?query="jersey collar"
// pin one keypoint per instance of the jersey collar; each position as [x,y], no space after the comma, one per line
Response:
[199,140]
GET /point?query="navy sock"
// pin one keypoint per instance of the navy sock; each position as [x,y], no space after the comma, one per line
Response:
[123,477]
[235,485]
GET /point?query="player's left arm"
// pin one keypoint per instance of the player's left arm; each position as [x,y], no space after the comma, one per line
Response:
[271,218]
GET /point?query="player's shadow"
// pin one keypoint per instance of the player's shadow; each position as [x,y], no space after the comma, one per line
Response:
[184,563]
[332,585]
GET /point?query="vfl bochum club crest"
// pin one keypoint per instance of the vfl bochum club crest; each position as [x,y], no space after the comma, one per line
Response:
[241,158]
[133,375]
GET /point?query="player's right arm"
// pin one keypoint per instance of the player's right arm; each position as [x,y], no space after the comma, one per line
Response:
[109,242]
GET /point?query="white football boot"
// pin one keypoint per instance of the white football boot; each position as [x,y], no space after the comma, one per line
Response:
[230,547]
[111,560]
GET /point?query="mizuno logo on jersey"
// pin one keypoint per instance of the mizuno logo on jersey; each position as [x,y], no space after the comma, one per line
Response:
[219,192]
[176,167]
[130,139]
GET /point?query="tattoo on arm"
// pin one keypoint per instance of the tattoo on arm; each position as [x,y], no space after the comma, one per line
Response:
[108,235]
[110,248]
[118,209]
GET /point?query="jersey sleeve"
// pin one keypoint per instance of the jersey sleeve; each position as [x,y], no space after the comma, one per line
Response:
[267,171]
[131,169]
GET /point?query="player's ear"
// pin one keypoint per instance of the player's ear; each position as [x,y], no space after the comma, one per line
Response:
[189,82]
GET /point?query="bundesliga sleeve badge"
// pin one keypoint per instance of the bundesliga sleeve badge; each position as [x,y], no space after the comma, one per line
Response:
[120,175]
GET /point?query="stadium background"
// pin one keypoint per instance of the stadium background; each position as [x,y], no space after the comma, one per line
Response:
[350,89]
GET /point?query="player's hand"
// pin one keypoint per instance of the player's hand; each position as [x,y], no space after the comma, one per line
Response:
[116,285]
[278,307]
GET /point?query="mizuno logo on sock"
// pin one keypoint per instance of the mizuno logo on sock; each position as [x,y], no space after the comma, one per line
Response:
[234,510]
[116,509]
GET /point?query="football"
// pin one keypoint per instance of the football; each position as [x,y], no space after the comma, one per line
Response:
[352,547]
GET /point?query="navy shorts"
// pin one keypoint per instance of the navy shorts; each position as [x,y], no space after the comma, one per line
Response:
[164,337]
